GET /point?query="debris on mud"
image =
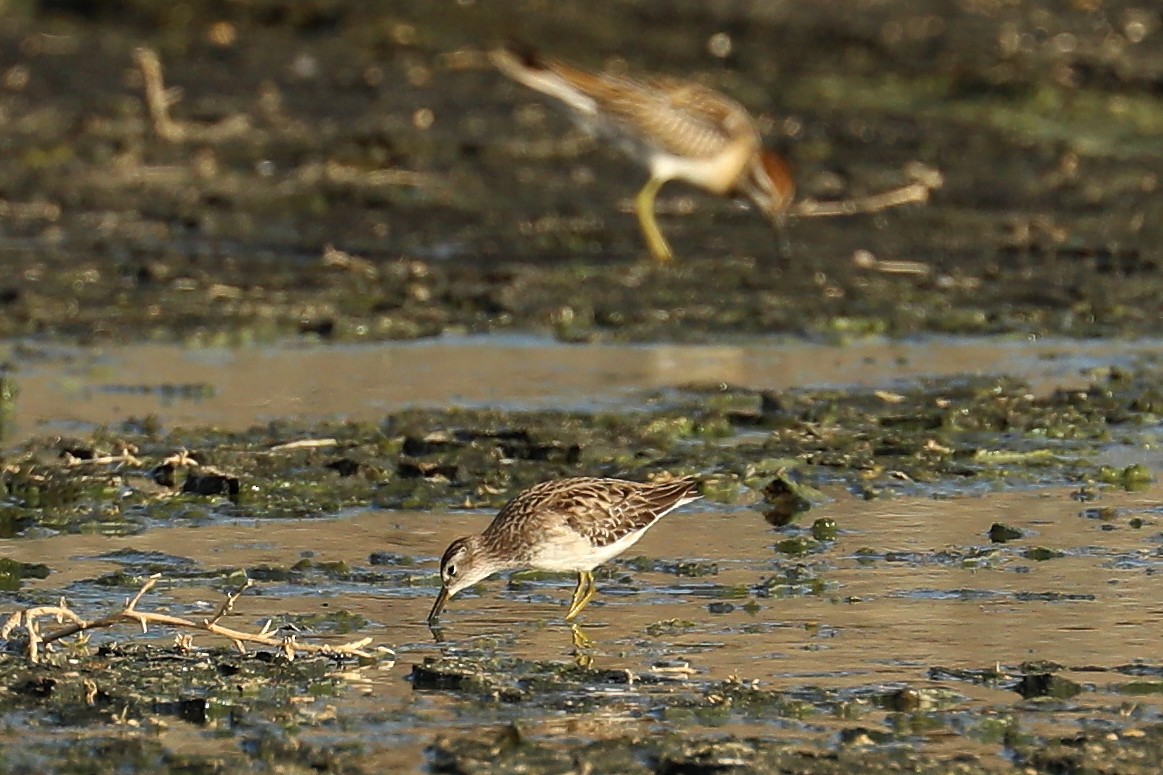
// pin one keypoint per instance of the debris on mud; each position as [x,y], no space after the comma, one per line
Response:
[936,435]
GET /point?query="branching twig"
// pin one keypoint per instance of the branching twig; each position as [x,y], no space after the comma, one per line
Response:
[29,620]
[228,604]
[158,100]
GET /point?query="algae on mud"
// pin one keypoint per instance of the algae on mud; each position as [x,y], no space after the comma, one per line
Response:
[356,196]
[355,172]
[128,696]
[922,439]
[975,432]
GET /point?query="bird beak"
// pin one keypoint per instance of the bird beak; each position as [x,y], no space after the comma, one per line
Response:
[438,606]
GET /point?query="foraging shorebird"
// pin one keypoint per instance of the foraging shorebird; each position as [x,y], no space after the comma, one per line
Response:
[564,525]
[679,129]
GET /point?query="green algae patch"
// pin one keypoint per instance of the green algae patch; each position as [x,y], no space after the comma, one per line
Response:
[1000,533]
[333,622]
[793,581]
[863,745]
[148,687]
[933,436]
[1134,477]
[797,546]
[13,573]
[669,627]
[825,529]
[1042,553]
[1139,688]
[786,498]
[506,750]
[687,568]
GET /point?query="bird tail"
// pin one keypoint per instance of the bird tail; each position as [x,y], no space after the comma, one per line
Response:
[677,491]
[576,88]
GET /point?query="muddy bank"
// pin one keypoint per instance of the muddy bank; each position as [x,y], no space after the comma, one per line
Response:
[359,173]
[741,640]
[910,639]
[953,434]
[885,593]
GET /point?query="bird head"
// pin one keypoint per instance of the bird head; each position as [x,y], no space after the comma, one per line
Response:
[768,183]
[464,563]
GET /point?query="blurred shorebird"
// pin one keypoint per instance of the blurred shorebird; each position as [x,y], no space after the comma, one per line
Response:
[679,129]
[563,525]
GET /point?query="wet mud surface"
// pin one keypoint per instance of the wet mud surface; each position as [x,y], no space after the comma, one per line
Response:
[361,173]
[894,568]
[837,525]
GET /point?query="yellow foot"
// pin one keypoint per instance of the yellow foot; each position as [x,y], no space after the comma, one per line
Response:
[580,640]
[582,595]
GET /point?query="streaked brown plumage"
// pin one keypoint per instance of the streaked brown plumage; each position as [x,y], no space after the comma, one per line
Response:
[563,525]
[678,129]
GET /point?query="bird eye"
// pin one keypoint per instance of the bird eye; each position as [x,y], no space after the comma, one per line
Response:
[450,570]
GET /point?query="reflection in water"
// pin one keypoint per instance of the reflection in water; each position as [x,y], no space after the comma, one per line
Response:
[908,587]
[907,582]
[437,631]
[234,389]
[580,639]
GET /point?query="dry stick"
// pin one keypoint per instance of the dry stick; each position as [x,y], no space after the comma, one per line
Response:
[157,99]
[342,173]
[125,457]
[914,192]
[304,444]
[288,646]
[27,618]
[865,260]
[228,604]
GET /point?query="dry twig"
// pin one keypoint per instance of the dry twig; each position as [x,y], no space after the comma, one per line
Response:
[304,444]
[29,620]
[925,179]
[158,100]
[125,457]
[865,260]
[914,192]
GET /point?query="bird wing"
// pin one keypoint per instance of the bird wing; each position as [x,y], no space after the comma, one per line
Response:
[599,510]
[678,117]
[610,513]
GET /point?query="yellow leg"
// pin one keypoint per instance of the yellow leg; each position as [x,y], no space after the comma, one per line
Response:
[644,204]
[582,595]
[580,639]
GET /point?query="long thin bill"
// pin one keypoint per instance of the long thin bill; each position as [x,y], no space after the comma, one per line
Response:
[438,606]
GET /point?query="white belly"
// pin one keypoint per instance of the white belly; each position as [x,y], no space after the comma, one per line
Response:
[718,173]
[568,551]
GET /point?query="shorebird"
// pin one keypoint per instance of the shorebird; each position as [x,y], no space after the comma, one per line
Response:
[679,129]
[563,525]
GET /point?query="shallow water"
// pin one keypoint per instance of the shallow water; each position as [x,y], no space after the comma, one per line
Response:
[909,586]
[72,390]
[706,627]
